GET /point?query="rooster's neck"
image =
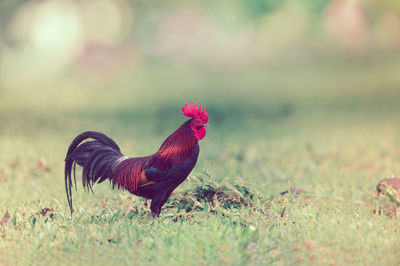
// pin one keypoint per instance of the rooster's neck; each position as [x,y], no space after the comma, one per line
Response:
[179,145]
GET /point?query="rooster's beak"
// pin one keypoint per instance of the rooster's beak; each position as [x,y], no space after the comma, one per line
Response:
[206,125]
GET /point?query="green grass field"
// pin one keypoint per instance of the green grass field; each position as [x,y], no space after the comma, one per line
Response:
[332,129]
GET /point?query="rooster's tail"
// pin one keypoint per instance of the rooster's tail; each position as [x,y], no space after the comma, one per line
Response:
[97,157]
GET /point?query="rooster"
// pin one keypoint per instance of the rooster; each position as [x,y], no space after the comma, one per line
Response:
[153,177]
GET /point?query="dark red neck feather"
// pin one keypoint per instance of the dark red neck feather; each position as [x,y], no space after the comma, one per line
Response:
[179,145]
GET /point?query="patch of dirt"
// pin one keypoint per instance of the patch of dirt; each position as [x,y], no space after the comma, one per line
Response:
[388,191]
[389,186]
[236,196]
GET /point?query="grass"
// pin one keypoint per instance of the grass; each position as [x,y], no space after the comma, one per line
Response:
[334,144]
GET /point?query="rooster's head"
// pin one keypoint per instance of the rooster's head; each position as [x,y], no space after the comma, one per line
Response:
[199,118]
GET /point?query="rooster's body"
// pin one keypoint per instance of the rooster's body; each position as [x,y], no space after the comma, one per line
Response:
[153,177]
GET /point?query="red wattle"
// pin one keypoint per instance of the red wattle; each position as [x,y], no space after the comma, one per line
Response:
[200,133]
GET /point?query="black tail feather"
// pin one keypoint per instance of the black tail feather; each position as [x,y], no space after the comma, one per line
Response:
[97,157]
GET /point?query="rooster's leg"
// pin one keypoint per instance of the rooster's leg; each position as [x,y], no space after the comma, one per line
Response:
[158,202]
[155,207]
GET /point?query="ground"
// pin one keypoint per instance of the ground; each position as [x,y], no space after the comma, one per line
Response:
[332,131]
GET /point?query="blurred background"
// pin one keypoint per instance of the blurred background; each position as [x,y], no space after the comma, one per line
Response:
[109,54]
[273,67]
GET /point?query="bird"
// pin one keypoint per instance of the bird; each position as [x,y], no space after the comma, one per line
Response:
[153,177]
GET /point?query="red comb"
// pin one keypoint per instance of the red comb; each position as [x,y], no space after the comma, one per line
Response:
[196,112]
